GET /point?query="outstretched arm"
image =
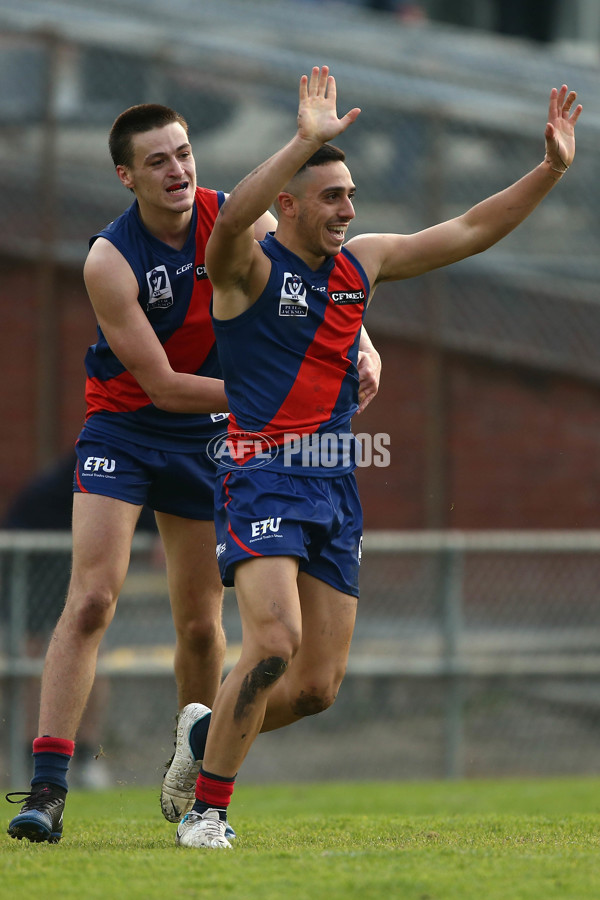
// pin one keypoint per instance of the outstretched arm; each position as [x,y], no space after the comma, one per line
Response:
[230,253]
[389,257]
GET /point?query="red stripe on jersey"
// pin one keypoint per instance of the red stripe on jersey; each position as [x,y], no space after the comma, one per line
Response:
[310,402]
[189,346]
[312,398]
[119,394]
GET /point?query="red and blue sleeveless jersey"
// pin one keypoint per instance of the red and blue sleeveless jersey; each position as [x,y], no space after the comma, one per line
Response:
[175,294]
[290,366]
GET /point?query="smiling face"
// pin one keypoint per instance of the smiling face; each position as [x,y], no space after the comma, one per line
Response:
[162,173]
[317,209]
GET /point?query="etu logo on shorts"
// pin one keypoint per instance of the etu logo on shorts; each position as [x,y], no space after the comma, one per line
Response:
[94,463]
[260,528]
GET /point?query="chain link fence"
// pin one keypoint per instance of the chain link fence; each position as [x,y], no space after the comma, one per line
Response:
[475,654]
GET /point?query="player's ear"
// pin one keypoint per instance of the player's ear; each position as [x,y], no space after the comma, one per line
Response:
[125,177]
[286,203]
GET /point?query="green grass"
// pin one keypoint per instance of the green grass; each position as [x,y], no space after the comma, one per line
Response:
[501,840]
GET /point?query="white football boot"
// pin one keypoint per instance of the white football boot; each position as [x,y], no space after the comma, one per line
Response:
[178,788]
[202,830]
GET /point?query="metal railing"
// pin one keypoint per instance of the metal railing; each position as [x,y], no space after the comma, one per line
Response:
[448,610]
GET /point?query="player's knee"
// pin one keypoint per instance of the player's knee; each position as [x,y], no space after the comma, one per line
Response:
[95,612]
[266,673]
[312,702]
[318,693]
[201,635]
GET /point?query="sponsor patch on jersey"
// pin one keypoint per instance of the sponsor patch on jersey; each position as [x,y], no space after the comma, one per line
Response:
[342,298]
[161,294]
[201,273]
[292,301]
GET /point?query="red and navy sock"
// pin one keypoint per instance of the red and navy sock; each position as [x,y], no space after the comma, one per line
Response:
[213,792]
[51,758]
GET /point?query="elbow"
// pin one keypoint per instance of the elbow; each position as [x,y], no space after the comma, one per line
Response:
[231,217]
[162,399]
[163,387]
[232,223]
[224,227]
[162,392]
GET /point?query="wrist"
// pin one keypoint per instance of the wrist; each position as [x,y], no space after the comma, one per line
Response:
[308,144]
[557,166]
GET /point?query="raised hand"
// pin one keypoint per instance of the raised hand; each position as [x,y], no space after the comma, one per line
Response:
[560,128]
[317,114]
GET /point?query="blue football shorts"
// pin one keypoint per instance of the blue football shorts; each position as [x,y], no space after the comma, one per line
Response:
[181,484]
[319,520]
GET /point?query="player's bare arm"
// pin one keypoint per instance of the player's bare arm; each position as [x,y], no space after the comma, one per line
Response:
[369,370]
[235,264]
[390,257]
[133,340]
[264,225]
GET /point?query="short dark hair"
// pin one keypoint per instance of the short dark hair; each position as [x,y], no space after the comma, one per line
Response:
[325,154]
[137,120]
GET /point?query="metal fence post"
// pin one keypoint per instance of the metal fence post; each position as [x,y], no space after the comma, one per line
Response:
[451,612]
[16,651]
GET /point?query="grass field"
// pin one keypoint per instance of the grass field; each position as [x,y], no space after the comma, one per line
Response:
[501,840]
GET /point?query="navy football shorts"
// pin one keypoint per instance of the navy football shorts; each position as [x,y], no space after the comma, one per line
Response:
[319,520]
[181,484]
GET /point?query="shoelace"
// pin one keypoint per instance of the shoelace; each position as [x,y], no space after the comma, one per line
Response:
[214,828]
[27,798]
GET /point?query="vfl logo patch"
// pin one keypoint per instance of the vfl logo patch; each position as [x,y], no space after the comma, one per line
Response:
[292,301]
[342,298]
[161,295]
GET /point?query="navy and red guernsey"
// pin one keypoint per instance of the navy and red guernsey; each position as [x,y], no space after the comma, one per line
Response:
[290,366]
[175,294]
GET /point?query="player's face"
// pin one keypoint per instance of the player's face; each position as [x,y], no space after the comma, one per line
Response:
[163,173]
[325,208]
